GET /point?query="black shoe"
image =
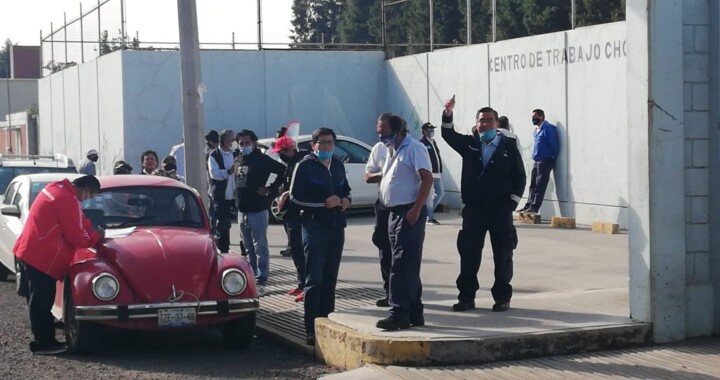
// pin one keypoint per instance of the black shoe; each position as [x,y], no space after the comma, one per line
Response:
[285,252]
[392,323]
[310,340]
[52,348]
[464,306]
[433,221]
[382,302]
[501,306]
[417,321]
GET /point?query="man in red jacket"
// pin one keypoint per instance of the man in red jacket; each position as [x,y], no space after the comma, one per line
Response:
[55,228]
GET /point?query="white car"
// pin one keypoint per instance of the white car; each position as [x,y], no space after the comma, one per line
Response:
[353,153]
[19,196]
[14,165]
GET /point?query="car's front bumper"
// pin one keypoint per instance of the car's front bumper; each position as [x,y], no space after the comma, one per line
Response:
[141,311]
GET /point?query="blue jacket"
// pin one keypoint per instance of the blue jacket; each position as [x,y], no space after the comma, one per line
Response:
[313,183]
[547,144]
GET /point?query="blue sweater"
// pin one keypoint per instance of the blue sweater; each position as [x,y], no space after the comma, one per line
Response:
[547,144]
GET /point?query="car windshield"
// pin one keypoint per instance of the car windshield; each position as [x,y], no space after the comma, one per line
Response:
[8,173]
[145,206]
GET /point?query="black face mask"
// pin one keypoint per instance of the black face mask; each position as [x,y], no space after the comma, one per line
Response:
[284,157]
[536,121]
[169,167]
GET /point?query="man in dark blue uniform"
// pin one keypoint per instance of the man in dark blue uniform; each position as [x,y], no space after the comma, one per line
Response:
[322,193]
[493,180]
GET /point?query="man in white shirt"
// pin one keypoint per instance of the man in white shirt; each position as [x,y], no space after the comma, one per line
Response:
[221,166]
[87,165]
[404,188]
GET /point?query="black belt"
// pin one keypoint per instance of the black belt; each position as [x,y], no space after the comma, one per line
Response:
[401,208]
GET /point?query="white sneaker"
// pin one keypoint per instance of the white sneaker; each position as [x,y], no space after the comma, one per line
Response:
[261,290]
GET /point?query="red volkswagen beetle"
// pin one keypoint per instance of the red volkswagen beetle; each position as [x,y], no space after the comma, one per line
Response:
[158,267]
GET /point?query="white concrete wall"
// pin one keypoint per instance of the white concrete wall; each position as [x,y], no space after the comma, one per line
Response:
[261,91]
[584,95]
[82,108]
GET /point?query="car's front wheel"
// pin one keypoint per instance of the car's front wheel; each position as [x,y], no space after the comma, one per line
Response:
[78,334]
[4,273]
[239,333]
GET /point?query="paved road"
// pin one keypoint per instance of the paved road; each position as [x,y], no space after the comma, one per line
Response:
[189,355]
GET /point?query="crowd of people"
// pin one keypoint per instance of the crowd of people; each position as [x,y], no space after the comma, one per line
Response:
[313,192]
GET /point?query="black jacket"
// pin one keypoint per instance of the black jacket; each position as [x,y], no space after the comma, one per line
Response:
[313,183]
[290,208]
[493,187]
[435,160]
[254,171]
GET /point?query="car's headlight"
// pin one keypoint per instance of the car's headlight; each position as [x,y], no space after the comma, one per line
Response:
[233,282]
[105,286]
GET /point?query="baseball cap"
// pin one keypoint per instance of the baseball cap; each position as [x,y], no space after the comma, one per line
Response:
[285,142]
[427,126]
[91,152]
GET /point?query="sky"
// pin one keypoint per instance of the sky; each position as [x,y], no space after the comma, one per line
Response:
[153,20]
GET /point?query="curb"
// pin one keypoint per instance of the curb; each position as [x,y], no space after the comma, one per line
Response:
[345,348]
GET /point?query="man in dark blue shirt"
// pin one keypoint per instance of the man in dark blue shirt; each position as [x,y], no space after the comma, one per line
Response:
[545,152]
[321,191]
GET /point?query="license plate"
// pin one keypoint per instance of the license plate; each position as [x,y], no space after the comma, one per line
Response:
[177,317]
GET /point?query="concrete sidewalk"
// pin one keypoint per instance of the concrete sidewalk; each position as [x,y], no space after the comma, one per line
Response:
[570,295]
[696,359]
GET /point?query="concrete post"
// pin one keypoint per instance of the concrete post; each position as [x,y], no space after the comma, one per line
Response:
[656,166]
[714,159]
[193,116]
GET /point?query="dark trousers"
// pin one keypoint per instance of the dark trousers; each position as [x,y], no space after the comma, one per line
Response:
[40,298]
[323,244]
[223,211]
[471,238]
[539,179]
[406,241]
[381,239]
[293,226]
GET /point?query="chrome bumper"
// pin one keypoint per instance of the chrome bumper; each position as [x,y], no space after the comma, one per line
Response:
[127,312]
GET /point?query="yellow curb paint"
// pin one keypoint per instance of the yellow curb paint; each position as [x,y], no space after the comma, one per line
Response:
[562,222]
[606,228]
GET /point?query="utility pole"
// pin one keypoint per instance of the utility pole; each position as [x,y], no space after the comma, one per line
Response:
[572,14]
[432,14]
[259,13]
[193,116]
[469,23]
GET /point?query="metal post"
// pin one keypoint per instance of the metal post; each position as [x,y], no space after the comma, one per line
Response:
[382,26]
[122,24]
[494,20]
[82,44]
[99,30]
[193,116]
[431,24]
[259,15]
[65,28]
[469,23]
[572,14]
[7,85]
[52,44]
[42,48]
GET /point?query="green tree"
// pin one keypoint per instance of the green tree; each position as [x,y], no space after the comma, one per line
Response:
[481,21]
[5,59]
[315,21]
[546,16]
[592,12]
[509,20]
[354,26]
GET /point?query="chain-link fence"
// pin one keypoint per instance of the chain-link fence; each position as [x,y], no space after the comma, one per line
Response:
[398,27]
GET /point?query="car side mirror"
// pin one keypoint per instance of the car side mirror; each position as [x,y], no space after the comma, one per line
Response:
[10,210]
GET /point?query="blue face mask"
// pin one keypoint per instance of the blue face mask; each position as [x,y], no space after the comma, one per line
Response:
[488,135]
[431,134]
[245,150]
[389,139]
[324,155]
